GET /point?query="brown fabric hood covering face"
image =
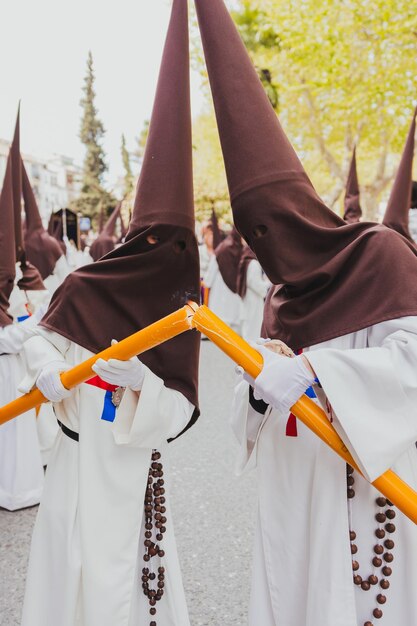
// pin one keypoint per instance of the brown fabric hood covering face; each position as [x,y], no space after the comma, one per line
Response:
[138,283]
[130,288]
[41,249]
[334,278]
[105,242]
[353,211]
[396,213]
[7,247]
[228,257]
[247,256]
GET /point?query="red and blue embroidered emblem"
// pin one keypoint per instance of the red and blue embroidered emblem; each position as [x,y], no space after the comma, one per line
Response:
[109,409]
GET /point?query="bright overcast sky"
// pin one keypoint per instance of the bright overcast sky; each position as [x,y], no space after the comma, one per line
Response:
[43,52]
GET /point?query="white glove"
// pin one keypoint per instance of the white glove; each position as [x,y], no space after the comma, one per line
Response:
[282,381]
[49,381]
[129,373]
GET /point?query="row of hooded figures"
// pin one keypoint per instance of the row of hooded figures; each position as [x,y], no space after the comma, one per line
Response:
[335,301]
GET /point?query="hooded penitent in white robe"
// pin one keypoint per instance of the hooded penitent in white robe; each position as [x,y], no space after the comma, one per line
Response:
[302,568]
[222,301]
[86,557]
[21,472]
[257,286]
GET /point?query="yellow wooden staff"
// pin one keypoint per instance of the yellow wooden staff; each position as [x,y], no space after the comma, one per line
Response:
[389,484]
[145,339]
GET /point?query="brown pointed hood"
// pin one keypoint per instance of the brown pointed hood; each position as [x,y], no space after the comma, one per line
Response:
[228,258]
[56,229]
[41,249]
[242,275]
[396,213]
[320,263]
[353,211]
[217,234]
[31,279]
[123,228]
[167,163]
[140,282]
[7,246]
[105,242]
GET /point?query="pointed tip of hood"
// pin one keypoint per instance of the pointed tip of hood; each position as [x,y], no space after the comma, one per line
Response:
[165,188]
[353,211]
[399,202]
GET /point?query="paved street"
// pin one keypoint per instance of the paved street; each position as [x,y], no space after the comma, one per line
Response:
[213,514]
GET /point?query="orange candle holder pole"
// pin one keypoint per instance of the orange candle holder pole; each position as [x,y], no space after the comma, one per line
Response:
[168,327]
[389,484]
[206,295]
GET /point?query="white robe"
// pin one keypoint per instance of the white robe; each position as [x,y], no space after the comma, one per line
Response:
[222,301]
[61,271]
[87,547]
[21,472]
[302,573]
[253,301]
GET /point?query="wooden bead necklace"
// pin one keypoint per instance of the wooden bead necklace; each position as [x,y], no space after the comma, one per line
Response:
[154,513]
[383,557]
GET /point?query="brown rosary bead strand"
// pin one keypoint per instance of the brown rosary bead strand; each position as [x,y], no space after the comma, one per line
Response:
[154,513]
[379,550]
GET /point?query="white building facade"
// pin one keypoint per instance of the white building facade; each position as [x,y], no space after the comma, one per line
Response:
[55,181]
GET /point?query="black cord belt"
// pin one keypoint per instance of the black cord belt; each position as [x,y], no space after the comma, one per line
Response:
[68,432]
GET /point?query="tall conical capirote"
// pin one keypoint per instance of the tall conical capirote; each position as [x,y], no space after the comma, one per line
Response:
[321,264]
[110,225]
[261,165]
[156,270]
[353,211]
[165,191]
[7,245]
[105,241]
[17,188]
[228,254]
[41,248]
[396,213]
[217,235]
[31,279]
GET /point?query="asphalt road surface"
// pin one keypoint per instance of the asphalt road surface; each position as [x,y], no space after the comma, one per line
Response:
[213,512]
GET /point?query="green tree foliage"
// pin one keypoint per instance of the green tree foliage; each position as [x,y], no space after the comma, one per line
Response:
[210,187]
[128,176]
[346,73]
[339,73]
[141,140]
[93,198]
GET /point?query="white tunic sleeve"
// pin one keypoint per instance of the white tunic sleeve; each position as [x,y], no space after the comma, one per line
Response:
[148,419]
[255,280]
[12,337]
[373,393]
[43,348]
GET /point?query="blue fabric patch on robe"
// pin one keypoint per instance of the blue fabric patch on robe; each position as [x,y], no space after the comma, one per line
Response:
[109,410]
